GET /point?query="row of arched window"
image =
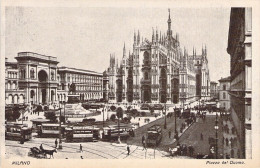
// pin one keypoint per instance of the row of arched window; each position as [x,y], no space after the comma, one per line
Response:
[12,75]
[11,85]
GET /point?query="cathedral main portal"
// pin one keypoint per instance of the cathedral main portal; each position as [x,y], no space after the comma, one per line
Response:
[146,94]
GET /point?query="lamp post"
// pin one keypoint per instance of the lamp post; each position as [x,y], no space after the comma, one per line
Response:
[175,129]
[60,142]
[165,124]
[103,116]
[216,129]
[64,112]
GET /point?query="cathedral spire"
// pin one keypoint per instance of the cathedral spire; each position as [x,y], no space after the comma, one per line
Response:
[169,31]
[153,37]
[124,52]
[160,36]
[157,35]
[134,38]
[138,38]
[202,50]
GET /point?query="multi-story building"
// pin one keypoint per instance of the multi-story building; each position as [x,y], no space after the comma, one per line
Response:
[187,78]
[36,79]
[214,92]
[13,95]
[224,98]
[88,84]
[240,51]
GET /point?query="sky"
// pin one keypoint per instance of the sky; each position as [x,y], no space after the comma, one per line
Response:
[84,37]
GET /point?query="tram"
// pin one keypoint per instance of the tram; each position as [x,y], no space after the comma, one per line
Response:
[154,135]
[81,133]
[20,132]
[50,130]
[111,132]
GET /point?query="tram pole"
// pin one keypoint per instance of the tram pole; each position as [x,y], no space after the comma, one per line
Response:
[103,117]
[165,123]
[60,143]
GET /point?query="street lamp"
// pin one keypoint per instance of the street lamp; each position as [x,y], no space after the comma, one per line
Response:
[103,116]
[60,142]
[175,115]
[216,129]
[165,124]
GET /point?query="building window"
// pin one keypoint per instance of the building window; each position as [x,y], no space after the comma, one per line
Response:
[224,87]
[32,73]
[52,75]
[22,72]
[224,95]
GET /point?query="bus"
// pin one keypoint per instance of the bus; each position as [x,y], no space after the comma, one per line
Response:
[50,130]
[20,132]
[154,135]
[81,133]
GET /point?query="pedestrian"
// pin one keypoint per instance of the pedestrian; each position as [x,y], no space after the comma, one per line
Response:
[232,153]
[192,150]
[80,148]
[56,143]
[238,153]
[231,142]
[128,150]
[41,148]
[201,136]
[169,134]
[143,142]
[189,149]
[184,150]
[226,141]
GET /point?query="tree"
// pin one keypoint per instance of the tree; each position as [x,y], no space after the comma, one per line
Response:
[16,112]
[134,112]
[72,88]
[51,116]
[143,113]
[113,117]
[113,108]
[119,114]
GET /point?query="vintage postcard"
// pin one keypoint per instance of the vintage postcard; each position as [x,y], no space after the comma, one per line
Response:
[129,83]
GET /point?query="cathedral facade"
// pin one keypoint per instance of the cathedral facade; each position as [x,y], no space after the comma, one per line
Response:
[152,72]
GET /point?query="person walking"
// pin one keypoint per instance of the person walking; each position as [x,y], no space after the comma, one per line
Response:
[143,142]
[56,143]
[192,150]
[226,141]
[41,148]
[80,148]
[128,149]
[201,136]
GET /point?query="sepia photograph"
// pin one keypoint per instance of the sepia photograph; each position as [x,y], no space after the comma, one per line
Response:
[109,82]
